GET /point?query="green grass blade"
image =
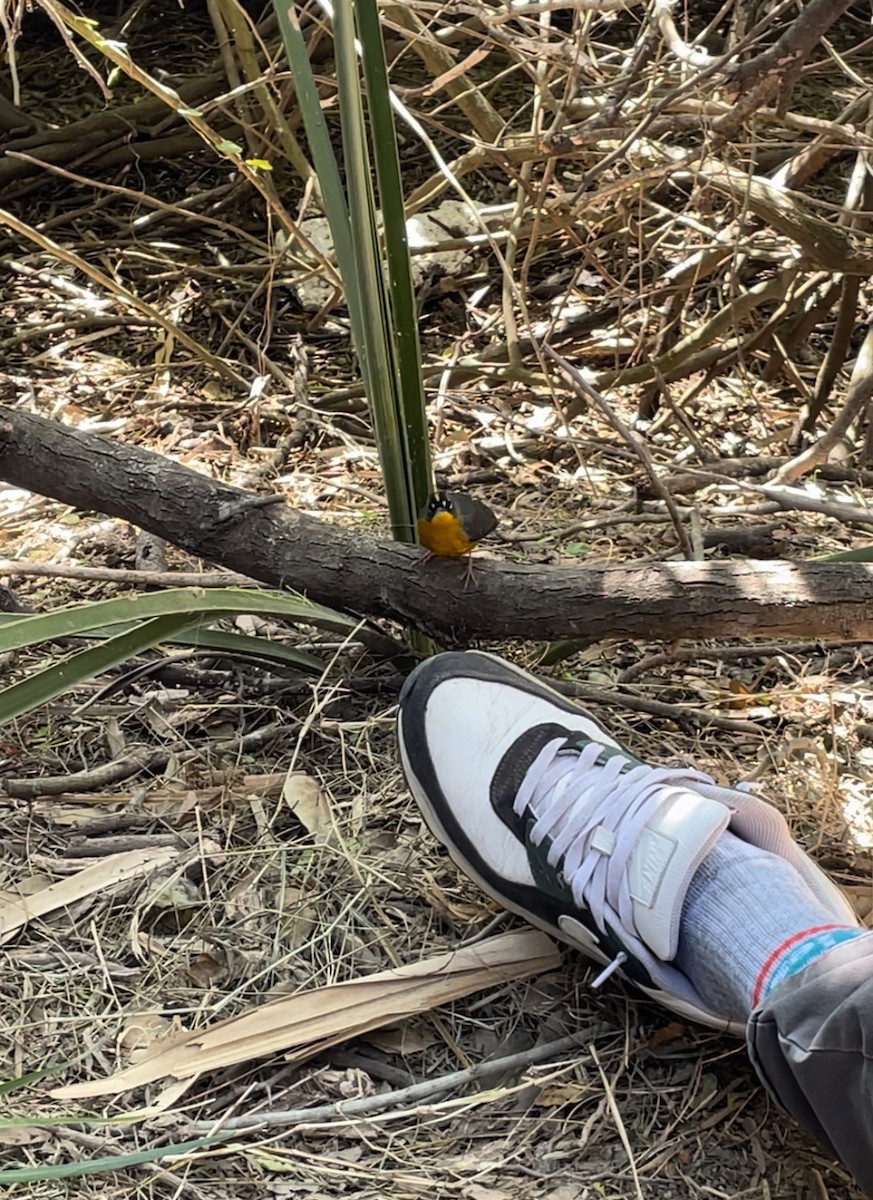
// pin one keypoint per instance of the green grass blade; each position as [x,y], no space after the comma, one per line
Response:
[413,415]
[242,645]
[114,1162]
[42,686]
[861,554]
[377,282]
[318,136]
[207,603]
[378,352]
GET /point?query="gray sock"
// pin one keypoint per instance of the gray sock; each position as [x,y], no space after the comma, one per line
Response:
[748,922]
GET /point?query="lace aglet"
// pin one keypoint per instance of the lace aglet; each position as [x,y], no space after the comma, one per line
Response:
[620,958]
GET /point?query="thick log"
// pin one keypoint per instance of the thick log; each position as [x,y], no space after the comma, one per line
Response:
[346,569]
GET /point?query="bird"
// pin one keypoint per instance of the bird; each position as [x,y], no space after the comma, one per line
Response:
[451,525]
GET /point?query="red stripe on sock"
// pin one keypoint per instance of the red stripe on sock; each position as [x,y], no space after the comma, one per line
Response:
[772,960]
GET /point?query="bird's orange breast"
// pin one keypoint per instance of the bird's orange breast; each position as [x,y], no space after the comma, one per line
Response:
[444,535]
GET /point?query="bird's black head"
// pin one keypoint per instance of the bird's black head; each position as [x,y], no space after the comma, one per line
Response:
[439,502]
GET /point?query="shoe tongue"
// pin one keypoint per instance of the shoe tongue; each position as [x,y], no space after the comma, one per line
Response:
[669,849]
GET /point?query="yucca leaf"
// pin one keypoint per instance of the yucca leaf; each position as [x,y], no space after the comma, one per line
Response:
[318,136]
[206,603]
[860,554]
[378,279]
[410,397]
[40,687]
[240,645]
[243,645]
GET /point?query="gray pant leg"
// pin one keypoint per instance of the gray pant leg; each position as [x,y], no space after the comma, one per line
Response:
[811,1044]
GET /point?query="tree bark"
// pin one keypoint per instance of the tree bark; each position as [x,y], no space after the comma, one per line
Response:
[346,569]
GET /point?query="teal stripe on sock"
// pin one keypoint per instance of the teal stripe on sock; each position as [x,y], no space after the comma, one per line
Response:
[799,956]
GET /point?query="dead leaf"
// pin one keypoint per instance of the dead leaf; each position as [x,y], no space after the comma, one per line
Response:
[463,913]
[22,1135]
[475,1191]
[15,914]
[206,970]
[176,893]
[307,1023]
[142,1033]
[300,918]
[147,945]
[245,899]
[558,1095]
[309,805]
[115,742]
[29,886]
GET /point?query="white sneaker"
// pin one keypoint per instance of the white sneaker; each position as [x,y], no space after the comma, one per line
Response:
[558,822]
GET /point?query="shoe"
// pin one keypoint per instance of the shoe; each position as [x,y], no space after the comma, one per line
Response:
[558,822]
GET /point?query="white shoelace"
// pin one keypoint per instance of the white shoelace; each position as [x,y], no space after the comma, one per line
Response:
[594,815]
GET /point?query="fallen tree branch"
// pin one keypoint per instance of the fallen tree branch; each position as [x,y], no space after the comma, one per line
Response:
[342,567]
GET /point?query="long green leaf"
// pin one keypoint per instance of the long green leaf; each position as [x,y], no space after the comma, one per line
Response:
[379,350]
[377,282]
[354,271]
[860,554]
[318,136]
[114,1162]
[412,414]
[42,686]
[206,603]
[241,645]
